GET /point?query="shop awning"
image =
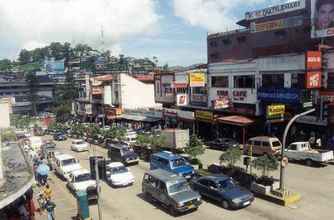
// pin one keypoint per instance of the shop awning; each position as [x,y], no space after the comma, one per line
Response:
[140,118]
[235,120]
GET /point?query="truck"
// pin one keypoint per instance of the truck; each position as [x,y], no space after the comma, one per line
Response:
[175,139]
[301,151]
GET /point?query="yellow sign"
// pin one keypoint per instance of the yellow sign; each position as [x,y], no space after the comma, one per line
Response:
[275,110]
[204,116]
[197,79]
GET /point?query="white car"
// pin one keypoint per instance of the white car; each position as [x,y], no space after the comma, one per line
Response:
[119,175]
[79,145]
[65,164]
[80,180]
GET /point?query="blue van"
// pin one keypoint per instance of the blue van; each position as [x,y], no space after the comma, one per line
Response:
[173,163]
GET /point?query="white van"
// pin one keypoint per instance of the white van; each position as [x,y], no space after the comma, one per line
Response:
[64,164]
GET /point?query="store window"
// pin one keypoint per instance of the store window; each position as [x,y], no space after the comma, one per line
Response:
[273,80]
[244,82]
[298,81]
[219,81]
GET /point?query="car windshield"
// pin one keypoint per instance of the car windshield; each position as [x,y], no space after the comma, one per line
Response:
[227,184]
[179,162]
[118,170]
[179,187]
[276,144]
[68,162]
[79,142]
[83,177]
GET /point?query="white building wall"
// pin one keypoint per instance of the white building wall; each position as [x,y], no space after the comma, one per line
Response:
[5,109]
[135,94]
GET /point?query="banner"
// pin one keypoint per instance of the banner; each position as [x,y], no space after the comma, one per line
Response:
[197,79]
[313,80]
[182,99]
[277,24]
[275,10]
[322,18]
[313,60]
[204,116]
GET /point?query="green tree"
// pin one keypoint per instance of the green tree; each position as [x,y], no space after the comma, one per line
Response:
[5,65]
[8,135]
[25,56]
[231,156]
[265,163]
[115,133]
[78,130]
[157,142]
[143,140]
[63,112]
[195,147]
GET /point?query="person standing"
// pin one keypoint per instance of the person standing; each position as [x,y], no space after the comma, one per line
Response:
[50,207]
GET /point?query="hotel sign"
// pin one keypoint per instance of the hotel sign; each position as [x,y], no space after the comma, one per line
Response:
[275,10]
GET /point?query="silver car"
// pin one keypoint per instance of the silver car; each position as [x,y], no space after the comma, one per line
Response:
[170,190]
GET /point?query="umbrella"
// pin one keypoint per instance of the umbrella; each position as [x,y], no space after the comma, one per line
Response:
[43,169]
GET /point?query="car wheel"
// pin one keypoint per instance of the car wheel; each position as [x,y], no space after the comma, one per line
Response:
[309,162]
[225,204]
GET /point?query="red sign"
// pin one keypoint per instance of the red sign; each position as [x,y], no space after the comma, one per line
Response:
[313,80]
[313,60]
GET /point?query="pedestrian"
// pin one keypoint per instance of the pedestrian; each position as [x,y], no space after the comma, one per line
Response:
[47,192]
[49,207]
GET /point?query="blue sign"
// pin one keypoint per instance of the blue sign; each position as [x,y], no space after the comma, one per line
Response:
[283,95]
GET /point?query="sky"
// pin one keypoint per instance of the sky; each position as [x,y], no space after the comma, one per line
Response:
[175,31]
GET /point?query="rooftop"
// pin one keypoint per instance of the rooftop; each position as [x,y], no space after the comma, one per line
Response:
[18,177]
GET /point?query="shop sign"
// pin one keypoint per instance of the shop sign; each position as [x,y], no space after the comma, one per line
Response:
[313,80]
[275,111]
[221,103]
[169,112]
[239,95]
[182,99]
[276,24]
[275,10]
[197,79]
[313,60]
[181,81]
[204,116]
[186,115]
[222,93]
[199,98]
[282,95]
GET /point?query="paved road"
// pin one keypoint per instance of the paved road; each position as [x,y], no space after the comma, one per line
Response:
[314,184]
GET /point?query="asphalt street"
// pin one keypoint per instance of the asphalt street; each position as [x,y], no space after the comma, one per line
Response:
[315,184]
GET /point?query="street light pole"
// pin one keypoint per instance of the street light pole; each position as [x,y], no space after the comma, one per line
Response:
[97,178]
[282,170]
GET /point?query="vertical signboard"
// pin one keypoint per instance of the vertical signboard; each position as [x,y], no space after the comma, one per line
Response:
[313,80]
[107,96]
[322,18]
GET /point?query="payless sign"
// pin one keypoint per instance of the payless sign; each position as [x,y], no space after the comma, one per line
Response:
[313,66]
[313,60]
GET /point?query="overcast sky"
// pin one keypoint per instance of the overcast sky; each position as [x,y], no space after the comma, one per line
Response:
[173,30]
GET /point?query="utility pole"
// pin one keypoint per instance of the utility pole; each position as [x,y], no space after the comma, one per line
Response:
[282,168]
[97,178]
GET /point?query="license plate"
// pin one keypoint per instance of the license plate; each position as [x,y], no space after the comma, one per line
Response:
[246,203]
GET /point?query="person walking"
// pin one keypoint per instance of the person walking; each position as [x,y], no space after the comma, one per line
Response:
[47,192]
[50,207]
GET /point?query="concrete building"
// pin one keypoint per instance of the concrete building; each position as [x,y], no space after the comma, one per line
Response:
[5,111]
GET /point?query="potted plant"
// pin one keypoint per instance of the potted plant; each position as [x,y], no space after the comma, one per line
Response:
[194,149]
[265,184]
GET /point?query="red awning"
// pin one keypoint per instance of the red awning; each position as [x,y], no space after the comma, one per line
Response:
[235,120]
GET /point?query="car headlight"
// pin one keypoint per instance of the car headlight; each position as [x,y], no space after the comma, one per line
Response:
[179,204]
[199,199]
[237,200]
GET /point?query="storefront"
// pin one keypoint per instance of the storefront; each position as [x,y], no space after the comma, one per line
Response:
[186,120]
[170,118]
[205,124]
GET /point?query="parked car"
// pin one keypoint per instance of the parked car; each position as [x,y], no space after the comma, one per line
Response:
[173,163]
[223,143]
[59,136]
[263,145]
[49,145]
[81,180]
[64,164]
[121,152]
[224,190]
[97,141]
[119,175]
[301,151]
[171,190]
[79,145]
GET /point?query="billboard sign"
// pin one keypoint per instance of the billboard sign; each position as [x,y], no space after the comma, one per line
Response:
[277,24]
[275,111]
[313,80]
[282,95]
[197,79]
[275,10]
[107,96]
[313,60]
[182,99]
[181,81]
[322,18]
